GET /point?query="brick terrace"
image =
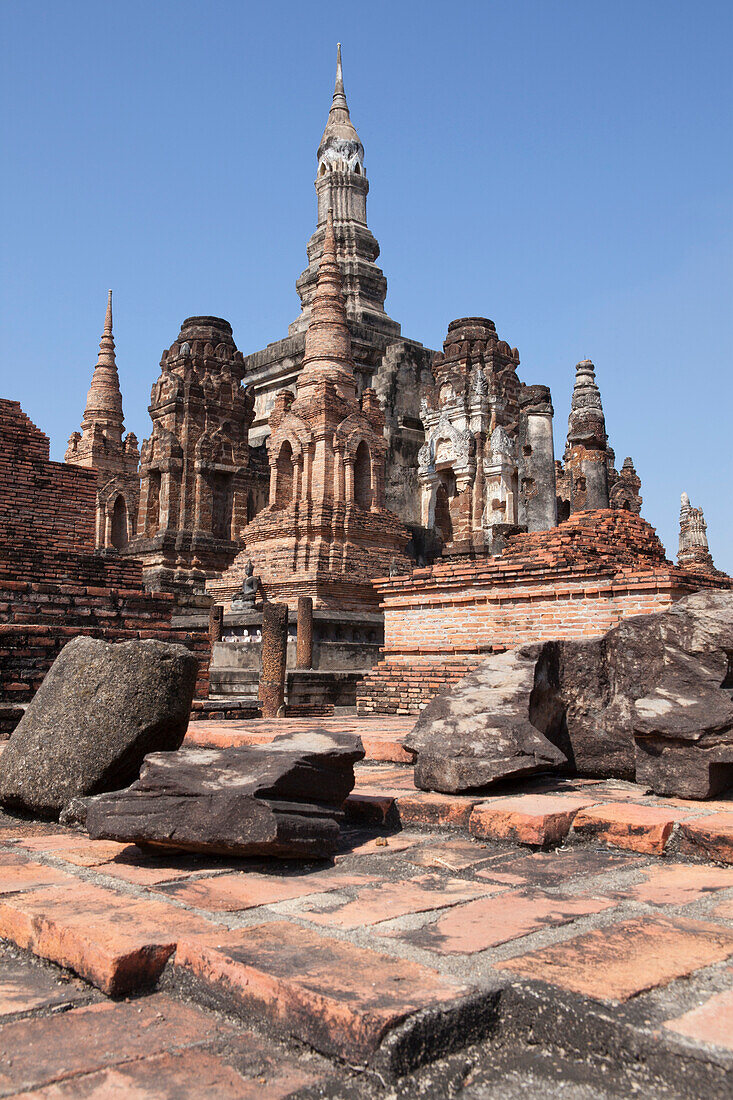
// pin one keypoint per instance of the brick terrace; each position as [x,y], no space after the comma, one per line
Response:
[574,581]
[504,918]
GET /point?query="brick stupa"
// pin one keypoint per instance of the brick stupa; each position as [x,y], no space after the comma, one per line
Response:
[326,531]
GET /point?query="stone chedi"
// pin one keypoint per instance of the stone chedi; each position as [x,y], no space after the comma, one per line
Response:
[196,486]
[326,531]
[101,446]
[394,366]
[587,479]
[694,552]
[101,708]
[487,467]
[283,799]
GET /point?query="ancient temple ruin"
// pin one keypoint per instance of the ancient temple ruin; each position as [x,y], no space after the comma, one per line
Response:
[351,466]
[100,446]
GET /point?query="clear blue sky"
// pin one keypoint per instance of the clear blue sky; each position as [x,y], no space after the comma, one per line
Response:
[561,167]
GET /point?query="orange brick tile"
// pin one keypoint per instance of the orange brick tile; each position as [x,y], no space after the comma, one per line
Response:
[627,825]
[677,884]
[431,808]
[710,836]
[540,819]
[711,1022]
[338,997]
[42,1051]
[387,900]
[488,922]
[117,942]
[613,964]
[18,873]
[246,889]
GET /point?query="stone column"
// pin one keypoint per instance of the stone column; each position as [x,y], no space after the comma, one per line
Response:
[216,623]
[304,649]
[537,507]
[274,657]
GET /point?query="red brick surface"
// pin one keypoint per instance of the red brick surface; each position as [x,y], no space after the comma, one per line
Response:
[618,962]
[530,819]
[340,997]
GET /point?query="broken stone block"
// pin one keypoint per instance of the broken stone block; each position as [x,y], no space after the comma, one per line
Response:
[479,732]
[651,699]
[101,708]
[283,799]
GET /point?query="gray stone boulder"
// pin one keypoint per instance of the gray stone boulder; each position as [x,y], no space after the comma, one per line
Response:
[282,799]
[100,710]
[650,700]
[479,732]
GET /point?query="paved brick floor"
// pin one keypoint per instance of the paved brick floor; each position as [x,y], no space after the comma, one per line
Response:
[576,913]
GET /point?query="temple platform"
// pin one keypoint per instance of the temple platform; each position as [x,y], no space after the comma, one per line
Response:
[555,931]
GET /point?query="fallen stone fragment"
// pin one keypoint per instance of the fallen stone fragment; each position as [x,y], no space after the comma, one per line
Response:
[100,710]
[480,732]
[652,698]
[283,799]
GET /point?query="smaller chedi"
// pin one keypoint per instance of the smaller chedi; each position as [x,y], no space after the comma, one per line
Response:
[487,467]
[101,446]
[587,478]
[325,532]
[694,552]
[196,485]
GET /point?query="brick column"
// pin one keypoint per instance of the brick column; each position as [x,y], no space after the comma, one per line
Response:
[304,651]
[216,623]
[274,657]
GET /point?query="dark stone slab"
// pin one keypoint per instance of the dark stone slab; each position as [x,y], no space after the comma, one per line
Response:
[101,708]
[652,699]
[283,799]
[479,732]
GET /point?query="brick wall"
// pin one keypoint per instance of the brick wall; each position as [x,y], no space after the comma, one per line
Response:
[576,580]
[41,502]
[53,585]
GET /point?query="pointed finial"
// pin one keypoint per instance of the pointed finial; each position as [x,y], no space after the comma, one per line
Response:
[339,71]
[339,96]
[108,315]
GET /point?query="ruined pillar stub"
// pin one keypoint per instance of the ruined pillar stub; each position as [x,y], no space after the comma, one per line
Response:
[274,657]
[304,651]
[537,506]
[216,623]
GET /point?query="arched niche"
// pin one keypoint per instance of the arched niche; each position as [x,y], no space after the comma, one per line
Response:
[285,476]
[118,534]
[363,476]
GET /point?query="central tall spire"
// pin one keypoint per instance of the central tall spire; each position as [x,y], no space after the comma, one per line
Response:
[327,340]
[342,186]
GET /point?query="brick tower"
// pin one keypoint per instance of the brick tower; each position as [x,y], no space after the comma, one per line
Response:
[195,480]
[100,445]
[326,531]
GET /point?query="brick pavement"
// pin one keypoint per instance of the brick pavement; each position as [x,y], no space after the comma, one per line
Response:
[493,920]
